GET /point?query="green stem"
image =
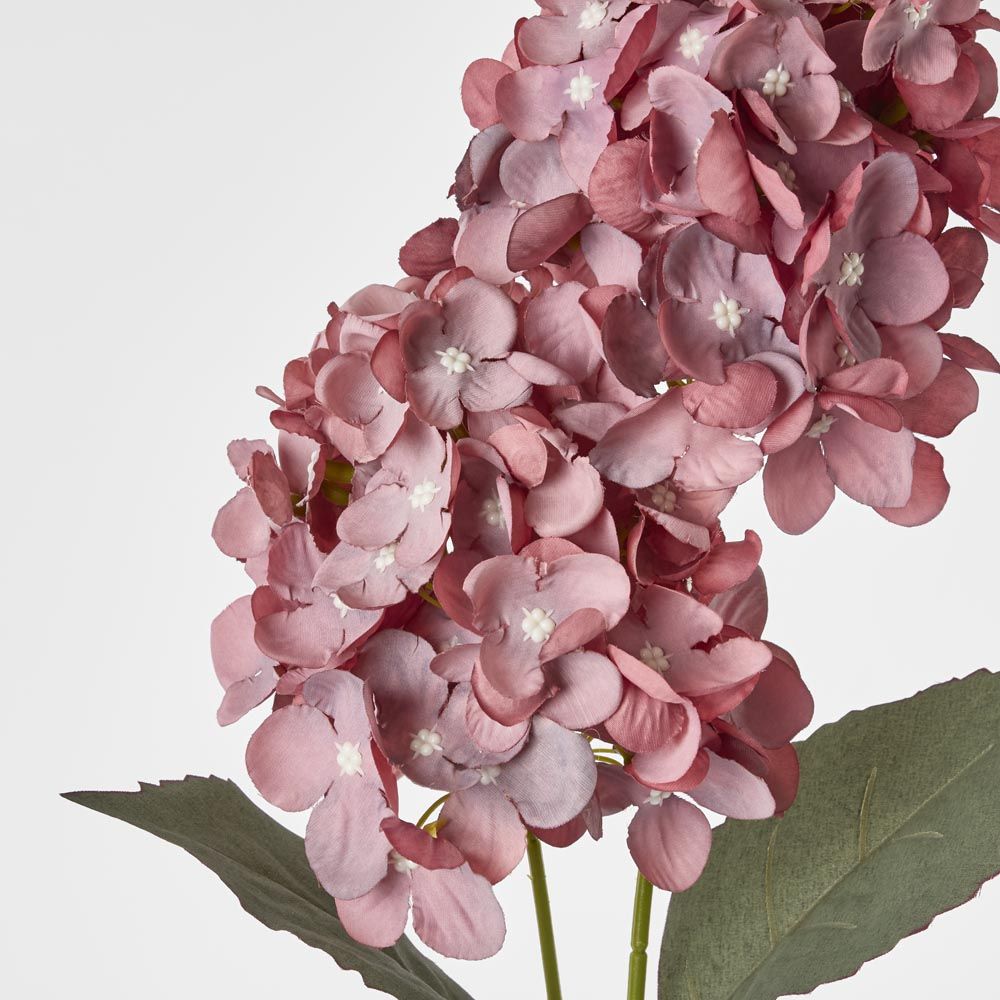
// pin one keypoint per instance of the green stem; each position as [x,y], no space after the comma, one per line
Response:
[543,915]
[427,815]
[640,938]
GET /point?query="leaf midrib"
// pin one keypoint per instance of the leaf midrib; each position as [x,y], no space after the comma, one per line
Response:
[748,978]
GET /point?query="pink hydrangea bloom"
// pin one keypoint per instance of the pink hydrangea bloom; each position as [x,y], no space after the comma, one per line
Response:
[487,552]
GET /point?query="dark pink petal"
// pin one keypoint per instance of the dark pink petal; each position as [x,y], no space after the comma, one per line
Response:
[431,250]
[871,465]
[558,330]
[944,404]
[378,918]
[481,822]
[589,689]
[614,189]
[479,94]
[292,757]
[744,400]
[780,705]
[456,913]
[904,280]
[797,488]
[731,790]
[419,846]
[347,851]
[541,231]
[728,565]
[242,530]
[568,499]
[670,843]
[744,607]
[697,672]
[632,344]
[930,490]
[552,778]
[724,179]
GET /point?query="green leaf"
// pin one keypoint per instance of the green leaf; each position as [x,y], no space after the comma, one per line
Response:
[265,866]
[896,822]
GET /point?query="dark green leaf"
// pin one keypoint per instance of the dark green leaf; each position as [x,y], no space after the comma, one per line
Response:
[265,866]
[896,822]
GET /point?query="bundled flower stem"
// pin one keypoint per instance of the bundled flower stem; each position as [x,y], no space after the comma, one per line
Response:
[695,242]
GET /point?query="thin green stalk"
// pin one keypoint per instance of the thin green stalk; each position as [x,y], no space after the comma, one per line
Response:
[543,915]
[430,809]
[640,938]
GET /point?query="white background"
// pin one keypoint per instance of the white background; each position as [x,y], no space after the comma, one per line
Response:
[186,185]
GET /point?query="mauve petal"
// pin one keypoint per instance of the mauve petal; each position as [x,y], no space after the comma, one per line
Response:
[292,757]
[698,672]
[728,565]
[589,690]
[904,280]
[544,229]
[780,705]
[558,330]
[485,827]
[419,846]
[944,404]
[744,607]
[568,499]
[723,175]
[376,519]
[731,790]
[930,490]
[456,913]
[552,778]
[347,851]
[340,696]
[614,189]
[482,243]
[744,400]
[871,465]
[676,621]
[378,918]
[614,257]
[632,345]
[969,354]
[496,385]
[670,843]
[798,490]
[532,172]
[235,655]
[242,529]
[928,57]
[479,87]
[717,460]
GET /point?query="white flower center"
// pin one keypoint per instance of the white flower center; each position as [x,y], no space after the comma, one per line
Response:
[386,557]
[776,82]
[657,798]
[456,361]
[852,267]
[845,358]
[403,865]
[581,89]
[491,512]
[663,498]
[339,605]
[821,426]
[786,173]
[653,656]
[846,97]
[537,625]
[426,743]
[728,313]
[692,44]
[488,774]
[917,15]
[423,493]
[349,759]
[593,15]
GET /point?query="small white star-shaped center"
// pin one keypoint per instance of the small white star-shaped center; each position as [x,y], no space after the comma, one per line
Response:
[657,798]
[349,759]
[386,557]
[663,498]
[426,743]
[776,82]
[917,15]
[537,625]
[593,15]
[786,173]
[488,774]
[581,89]
[403,865]
[491,512]
[845,359]
[423,493]
[728,313]
[456,361]
[692,44]
[852,268]
[654,656]
[821,426]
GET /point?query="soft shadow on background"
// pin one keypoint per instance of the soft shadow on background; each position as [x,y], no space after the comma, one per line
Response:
[186,187]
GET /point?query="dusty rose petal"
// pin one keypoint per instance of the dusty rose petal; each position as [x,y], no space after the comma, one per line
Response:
[456,913]
[733,791]
[481,822]
[378,918]
[670,843]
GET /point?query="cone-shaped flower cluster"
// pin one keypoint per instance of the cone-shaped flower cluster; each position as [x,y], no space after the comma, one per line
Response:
[695,242]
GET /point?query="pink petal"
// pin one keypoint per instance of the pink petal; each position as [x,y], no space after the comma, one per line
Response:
[871,465]
[930,490]
[568,499]
[235,655]
[670,843]
[419,846]
[541,231]
[292,757]
[456,913]
[242,530]
[485,827]
[589,690]
[479,93]
[780,705]
[698,672]
[798,490]
[944,404]
[731,790]
[744,400]
[378,918]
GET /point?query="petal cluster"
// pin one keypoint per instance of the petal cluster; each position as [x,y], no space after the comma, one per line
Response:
[694,243]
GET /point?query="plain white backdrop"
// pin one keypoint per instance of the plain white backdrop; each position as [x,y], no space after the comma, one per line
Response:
[185,187]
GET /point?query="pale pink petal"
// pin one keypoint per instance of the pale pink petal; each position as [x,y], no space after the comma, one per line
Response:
[378,918]
[456,913]
[481,822]
[670,843]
